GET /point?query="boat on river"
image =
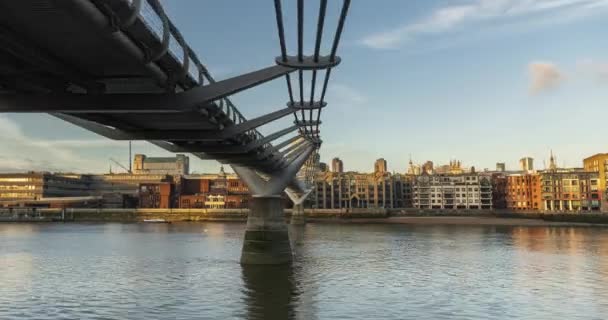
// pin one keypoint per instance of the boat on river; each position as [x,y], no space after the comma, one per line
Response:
[156,221]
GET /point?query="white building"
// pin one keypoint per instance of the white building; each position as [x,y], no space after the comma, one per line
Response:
[461,191]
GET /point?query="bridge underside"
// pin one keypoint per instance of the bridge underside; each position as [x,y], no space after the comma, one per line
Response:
[121,69]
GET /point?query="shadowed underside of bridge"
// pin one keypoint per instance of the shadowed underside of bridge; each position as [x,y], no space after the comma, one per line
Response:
[121,69]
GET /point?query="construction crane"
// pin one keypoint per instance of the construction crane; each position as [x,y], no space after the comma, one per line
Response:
[129,170]
[120,165]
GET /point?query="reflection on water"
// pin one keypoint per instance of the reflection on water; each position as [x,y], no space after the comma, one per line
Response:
[191,270]
[269,292]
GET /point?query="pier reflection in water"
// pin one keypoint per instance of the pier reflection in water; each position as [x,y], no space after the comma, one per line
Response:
[269,292]
[192,270]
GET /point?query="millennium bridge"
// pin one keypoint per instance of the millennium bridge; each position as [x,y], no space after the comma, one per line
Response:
[123,70]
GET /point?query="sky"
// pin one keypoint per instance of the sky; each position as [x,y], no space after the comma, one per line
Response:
[481,81]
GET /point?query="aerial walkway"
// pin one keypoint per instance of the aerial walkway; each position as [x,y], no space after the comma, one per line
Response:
[122,69]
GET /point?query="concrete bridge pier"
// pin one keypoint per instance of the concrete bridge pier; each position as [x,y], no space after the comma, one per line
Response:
[298,217]
[266,237]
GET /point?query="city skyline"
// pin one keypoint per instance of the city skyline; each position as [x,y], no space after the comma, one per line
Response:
[431,159]
[446,81]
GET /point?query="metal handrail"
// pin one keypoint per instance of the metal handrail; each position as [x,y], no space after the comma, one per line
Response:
[188,55]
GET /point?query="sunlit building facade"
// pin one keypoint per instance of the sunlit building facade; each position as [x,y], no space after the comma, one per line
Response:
[175,166]
[523,191]
[213,191]
[599,163]
[526,164]
[570,190]
[39,185]
[361,190]
[446,191]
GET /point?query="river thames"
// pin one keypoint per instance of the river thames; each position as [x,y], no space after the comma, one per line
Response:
[192,271]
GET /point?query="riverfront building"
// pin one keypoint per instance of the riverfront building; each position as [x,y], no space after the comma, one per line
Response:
[214,191]
[361,190]
[570,190]
[62,189]
[452,191]
[499,190]
[123,183]
[599,163]
[523,191]
[39,185]
[156,195]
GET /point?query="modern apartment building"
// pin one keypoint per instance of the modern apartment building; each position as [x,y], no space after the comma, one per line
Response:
[599,163]
[361,190]
[445,191]
[570,190]
[39,185]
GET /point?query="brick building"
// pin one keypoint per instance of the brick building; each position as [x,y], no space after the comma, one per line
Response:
[523,191]
[213,191]
[156,195]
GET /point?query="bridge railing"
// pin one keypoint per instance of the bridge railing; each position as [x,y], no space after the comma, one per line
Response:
[154,17]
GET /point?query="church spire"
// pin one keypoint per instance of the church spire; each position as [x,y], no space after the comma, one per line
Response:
[552,163]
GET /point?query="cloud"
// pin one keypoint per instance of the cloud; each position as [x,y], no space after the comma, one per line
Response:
[593,68]
[543,76]
[343,95]
[452,17]
[23,153]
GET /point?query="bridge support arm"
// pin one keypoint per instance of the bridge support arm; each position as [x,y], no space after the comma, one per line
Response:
[266,236]
[140,102]
[298,216]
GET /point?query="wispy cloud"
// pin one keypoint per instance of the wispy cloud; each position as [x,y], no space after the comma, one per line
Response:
[594,68]
[20,152]
[453,17]
[543,76]
[343,95]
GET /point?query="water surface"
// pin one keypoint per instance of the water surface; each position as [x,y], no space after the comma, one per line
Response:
[191,271]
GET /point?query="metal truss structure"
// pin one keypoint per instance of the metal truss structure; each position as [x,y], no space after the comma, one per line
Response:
[121,69]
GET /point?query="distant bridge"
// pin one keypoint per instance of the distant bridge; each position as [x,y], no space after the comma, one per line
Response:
[121,69]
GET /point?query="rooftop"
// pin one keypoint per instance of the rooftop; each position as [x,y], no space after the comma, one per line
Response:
[161,159]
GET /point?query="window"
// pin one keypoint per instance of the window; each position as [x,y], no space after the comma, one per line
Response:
[14,180]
